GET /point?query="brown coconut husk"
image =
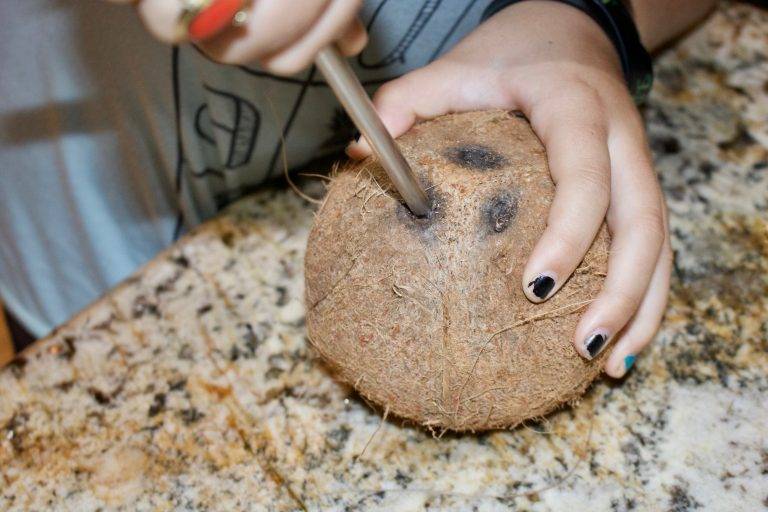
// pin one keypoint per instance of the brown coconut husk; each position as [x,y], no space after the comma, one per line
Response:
[426,316]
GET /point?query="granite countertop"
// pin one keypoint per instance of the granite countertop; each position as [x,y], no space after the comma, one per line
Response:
[191,385]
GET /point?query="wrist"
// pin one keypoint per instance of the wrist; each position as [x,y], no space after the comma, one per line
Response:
[660,21]
[550,30]
[612,18]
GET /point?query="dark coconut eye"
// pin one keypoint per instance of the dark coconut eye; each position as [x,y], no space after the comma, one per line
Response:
[475,156]
[500,211]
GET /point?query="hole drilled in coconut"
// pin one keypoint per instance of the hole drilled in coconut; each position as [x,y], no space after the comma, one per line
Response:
[423,223]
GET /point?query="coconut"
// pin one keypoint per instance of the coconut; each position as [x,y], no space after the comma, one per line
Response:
[427,316]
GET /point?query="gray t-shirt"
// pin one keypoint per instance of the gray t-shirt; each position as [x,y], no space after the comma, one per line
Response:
[112,144]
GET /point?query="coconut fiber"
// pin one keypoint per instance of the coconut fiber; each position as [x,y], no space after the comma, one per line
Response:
[426,316]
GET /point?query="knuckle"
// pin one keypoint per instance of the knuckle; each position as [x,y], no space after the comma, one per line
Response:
[223,55]
[165,34]
[594,180]
[357,41]
[284,66]
[386,90]
[171,39]
[388,93]
[615,93]
[645,165]
[585,98]
[650,222]
[667,257]
[642,337]
[588,96]
[572,246]
[581,109]
[625,303]
[229,58]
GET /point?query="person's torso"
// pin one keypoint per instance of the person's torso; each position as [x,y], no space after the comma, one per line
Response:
[111,144]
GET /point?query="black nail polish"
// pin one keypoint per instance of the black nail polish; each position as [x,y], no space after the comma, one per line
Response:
[595,344]
[542,285]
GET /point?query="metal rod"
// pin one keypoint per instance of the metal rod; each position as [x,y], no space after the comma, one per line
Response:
[358,105]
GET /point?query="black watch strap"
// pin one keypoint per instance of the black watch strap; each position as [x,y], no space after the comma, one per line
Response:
[614,18]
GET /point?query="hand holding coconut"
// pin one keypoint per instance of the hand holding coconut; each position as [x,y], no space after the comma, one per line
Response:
[438,318]
[568,81]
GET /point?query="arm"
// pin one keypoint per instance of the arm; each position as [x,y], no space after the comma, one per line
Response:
[661,21]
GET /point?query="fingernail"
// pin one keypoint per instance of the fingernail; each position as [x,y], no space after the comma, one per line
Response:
[595,343]
[352,146]
[542,285]
[629,361]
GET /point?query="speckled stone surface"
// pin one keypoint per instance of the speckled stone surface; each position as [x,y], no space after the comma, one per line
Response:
[192,387]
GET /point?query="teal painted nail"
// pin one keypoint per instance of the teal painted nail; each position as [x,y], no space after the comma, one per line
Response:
[629,361]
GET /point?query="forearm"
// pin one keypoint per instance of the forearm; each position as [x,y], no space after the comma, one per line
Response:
[660,21]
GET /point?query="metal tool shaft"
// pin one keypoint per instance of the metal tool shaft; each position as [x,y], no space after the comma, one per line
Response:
[342,79]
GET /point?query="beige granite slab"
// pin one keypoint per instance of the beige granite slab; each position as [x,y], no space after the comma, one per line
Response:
[192,387]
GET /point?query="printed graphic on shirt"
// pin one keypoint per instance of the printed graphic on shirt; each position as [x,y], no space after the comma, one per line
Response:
[397,54]
[233,121]
[238,123]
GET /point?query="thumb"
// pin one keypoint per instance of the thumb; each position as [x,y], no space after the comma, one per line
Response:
[421,94]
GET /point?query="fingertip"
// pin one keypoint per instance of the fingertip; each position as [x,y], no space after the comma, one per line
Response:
[283,65]
[396,124]
[395,103]
[160,19]
[397,120]
[619,364]
[359,149]
[354,40]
